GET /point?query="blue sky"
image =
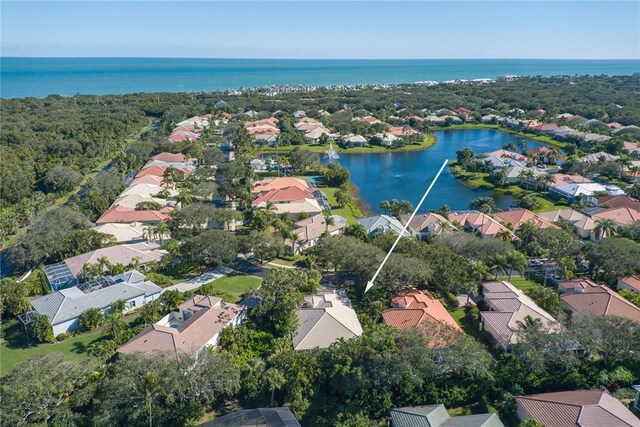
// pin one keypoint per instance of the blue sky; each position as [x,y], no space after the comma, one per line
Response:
[359,29]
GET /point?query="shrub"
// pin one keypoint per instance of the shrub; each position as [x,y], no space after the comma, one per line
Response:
[42,330]
[90,319]
[64,336]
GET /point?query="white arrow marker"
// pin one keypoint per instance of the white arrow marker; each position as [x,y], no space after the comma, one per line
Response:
[373,279]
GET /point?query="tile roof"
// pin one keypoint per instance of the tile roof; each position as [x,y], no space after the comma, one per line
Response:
[120,254]
[582,408]
[269,184]
[517,217]
[68,304]
[313,227]
[480,222]
[506,154]
[631,281]
[262,417]
[619,202]
[430,222]
[132,200]
[209,316]
[621,216]
[563,179]
[170,157]
[123,214]
[509,306]
[284,195]
[414,307]
[437,416]
[381,224]
[600,300]
[568,214]
[147,189]
[123,232]
[148,179]
[325,318]
[596,157]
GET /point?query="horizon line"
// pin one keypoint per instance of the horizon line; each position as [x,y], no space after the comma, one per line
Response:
[320,59]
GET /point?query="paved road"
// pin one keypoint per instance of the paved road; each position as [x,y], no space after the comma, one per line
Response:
[246,267]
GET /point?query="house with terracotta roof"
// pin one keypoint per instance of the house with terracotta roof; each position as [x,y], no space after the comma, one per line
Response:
[437,416]
[478,222]
[149,179]
[621,216]
[309,231]
[427,225]
[122,214]
[196,324]
[323,319]
[66,273]
[586,296]
[631,147]
[509,308]
[583,225]
[631,283]
[515,218]
[170,157]
[413,309]
[64,307]
[401,131]
[582,408]
[371,120]
[161,170]
[269,184]
[564,179]
[621,201]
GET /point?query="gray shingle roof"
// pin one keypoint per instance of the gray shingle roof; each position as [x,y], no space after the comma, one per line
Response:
[268,417]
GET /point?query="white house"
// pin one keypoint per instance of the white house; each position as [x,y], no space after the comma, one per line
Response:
[64,307]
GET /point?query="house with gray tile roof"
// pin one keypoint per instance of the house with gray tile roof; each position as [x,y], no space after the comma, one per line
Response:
[64,307]
[323,319]
[382,223]
[437,416]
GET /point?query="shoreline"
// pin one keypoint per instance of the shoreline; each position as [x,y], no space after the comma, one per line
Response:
[429,141]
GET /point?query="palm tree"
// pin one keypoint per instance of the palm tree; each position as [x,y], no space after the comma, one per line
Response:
[522,144]
[184,198]
[149,232]
[605,227]
[162,230]
[275,379]
[386,205]
[567,267]
[504,235]
[516,261]
[329,220]
[483,204]
[529,323]
[527,231]
[499,264]
[481,270]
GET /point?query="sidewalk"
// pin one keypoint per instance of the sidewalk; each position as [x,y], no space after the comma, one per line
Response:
[203,279]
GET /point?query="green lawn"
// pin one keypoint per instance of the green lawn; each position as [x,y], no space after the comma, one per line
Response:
[427,142]
[520,282]
[15,348]
[457,315]
[236,286]
[351,211]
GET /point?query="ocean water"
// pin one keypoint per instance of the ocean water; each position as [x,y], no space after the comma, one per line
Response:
[39,77]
